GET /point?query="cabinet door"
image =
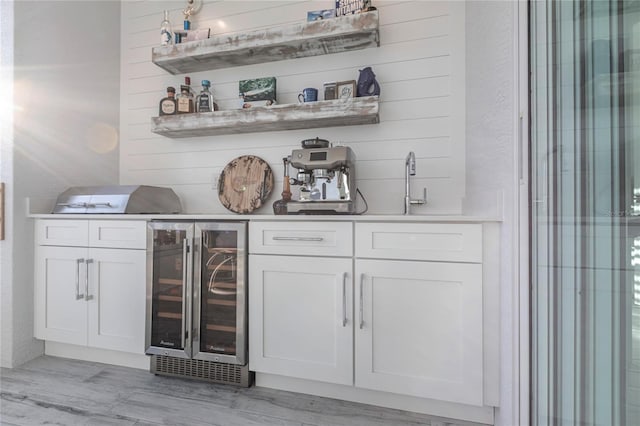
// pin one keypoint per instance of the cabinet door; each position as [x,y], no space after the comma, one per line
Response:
[301,322]
[419,329]
[116,303]
[60,308]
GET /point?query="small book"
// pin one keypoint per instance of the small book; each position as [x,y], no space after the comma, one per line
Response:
[349,7]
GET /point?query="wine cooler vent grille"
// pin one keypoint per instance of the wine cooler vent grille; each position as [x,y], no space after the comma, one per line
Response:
[201,369]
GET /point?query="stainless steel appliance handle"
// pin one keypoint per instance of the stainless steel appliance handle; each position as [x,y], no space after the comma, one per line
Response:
[99,204]
[189,284]
[78,295]
[344,299]
[86,280]
[185,251]
[361,301]
[317,239]
[73,205]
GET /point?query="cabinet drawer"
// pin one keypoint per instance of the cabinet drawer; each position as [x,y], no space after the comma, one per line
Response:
[420,241]
[301,238]
[118,234]
[54,232]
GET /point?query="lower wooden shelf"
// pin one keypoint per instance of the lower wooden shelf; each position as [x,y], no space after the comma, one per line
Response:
[338,112]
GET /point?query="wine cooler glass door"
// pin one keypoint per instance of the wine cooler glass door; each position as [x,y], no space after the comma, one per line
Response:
[220,316]
[169,289]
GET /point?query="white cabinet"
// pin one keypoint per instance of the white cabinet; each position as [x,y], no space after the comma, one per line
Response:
[419,329]
[300,307]
[410,320]
[90,283]
[420,322]
[301,317]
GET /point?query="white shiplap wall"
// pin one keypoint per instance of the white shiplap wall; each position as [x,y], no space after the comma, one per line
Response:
[420,66]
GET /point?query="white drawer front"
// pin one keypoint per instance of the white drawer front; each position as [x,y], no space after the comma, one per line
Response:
[420,241]
[301,238]
[54,232]
[118,233]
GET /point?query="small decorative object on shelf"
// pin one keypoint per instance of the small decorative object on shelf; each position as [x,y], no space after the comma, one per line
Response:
[367,84]
[349,7]
[329,91]
[258,92]
[168,105]
[204,101]
[166,35]
[193,7]
[317,15]
[185,98]
[309,94]
[346,89]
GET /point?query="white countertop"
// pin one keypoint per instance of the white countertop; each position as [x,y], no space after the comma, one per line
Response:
[266,217]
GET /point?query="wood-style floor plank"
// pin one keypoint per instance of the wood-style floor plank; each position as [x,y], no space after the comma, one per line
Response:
[57,391]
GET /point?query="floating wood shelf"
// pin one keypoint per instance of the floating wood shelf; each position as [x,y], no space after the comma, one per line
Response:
[347,112]
[347,33]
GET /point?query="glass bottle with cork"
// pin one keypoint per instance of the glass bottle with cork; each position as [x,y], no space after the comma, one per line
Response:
[204,101]
[168,105]
[185,98]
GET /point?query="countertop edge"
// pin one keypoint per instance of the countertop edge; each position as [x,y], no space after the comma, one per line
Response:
[263,218]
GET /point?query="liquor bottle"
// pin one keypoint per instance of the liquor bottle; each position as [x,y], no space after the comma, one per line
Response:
[185,98]
[166,34]
[204,101]
[168,105]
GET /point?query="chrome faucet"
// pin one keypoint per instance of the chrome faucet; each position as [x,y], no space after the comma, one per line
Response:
[410,170]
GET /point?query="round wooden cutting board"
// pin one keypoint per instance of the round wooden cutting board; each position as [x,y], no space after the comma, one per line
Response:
[245,184]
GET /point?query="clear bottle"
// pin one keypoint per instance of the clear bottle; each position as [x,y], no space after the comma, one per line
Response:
[185,98]
[168,105]
[166,34]
[204,101]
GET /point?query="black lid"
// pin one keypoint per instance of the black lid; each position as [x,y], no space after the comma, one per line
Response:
[171,89]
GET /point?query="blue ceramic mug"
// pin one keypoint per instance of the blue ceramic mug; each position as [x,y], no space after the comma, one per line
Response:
[308,95]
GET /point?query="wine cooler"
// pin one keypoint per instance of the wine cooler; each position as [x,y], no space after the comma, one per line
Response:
[197,300]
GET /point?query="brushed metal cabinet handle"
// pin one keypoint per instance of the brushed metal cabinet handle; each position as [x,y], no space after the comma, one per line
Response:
[87,296]
[316,239]
[344,299]
[361,301]
[78,295]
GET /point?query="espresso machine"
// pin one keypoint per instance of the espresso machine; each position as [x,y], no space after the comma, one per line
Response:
[326,179]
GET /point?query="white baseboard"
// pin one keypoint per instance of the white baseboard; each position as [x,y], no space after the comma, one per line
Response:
[104,356]
[382,399]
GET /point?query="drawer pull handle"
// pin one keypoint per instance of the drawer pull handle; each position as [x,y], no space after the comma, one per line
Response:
[317,239]
[78,295]
[344,299]
[361,301]
[87,296]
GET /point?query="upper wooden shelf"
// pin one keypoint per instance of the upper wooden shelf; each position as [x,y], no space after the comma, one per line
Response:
[337,112]
[352,32]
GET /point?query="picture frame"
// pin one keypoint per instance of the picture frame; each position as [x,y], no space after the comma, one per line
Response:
[257,92]
[346,89]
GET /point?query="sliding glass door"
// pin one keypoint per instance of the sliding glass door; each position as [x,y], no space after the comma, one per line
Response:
[585,212]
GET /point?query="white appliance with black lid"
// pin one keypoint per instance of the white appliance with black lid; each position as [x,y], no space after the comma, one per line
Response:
[117,199]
